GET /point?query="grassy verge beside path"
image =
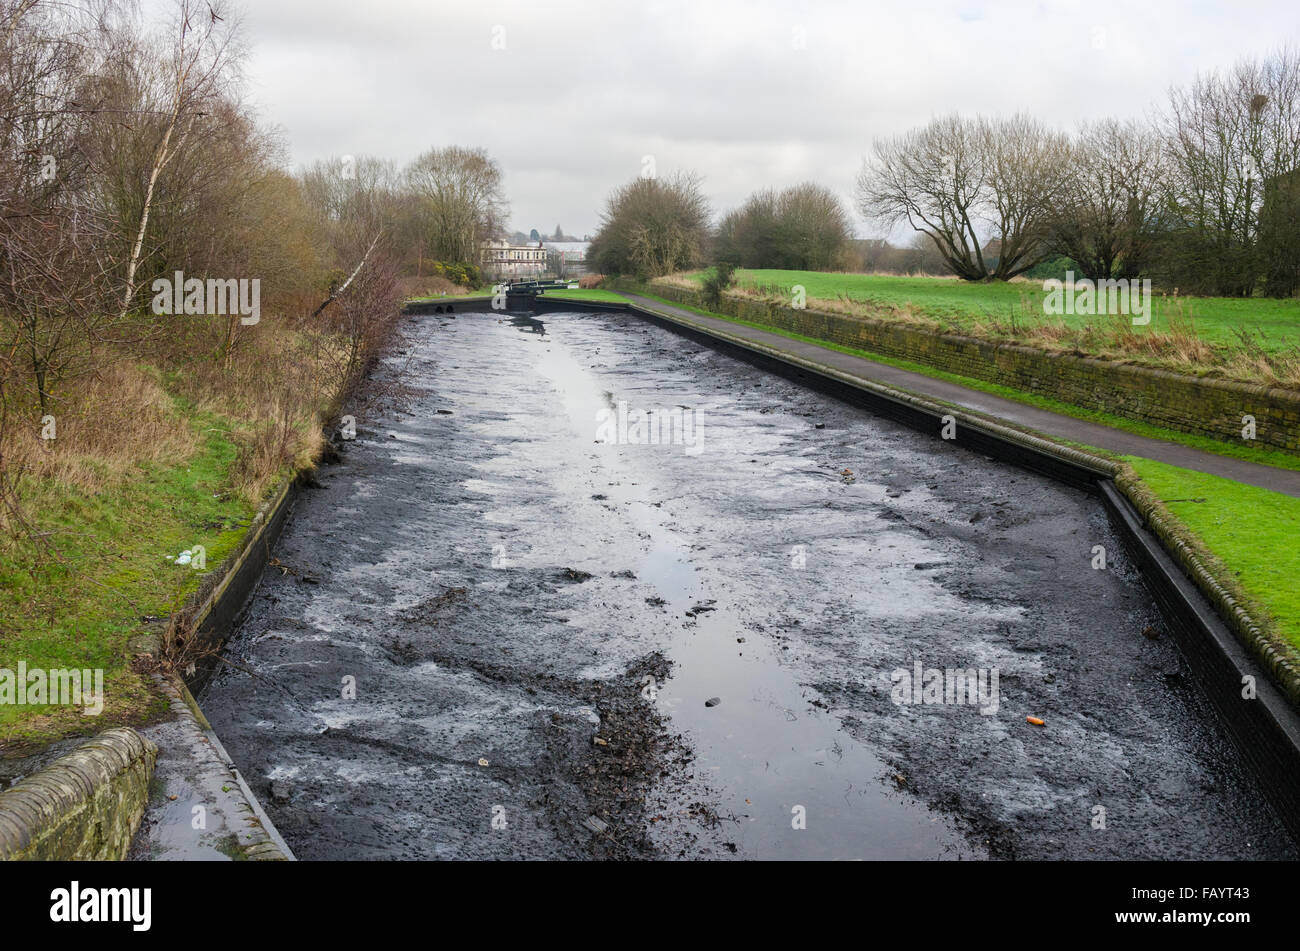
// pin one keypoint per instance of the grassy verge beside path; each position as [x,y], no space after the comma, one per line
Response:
[587,294]
[1252,532]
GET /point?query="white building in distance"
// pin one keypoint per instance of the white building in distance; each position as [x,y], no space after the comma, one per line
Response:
[502,260]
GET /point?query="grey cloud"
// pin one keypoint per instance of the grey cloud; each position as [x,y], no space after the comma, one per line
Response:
[583,90]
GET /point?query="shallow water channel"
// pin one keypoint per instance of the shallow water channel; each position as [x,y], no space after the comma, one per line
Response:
[535,620]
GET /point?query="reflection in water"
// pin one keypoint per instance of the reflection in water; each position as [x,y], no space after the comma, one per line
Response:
[529,325]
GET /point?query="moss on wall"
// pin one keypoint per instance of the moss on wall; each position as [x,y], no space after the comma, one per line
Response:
[85,805]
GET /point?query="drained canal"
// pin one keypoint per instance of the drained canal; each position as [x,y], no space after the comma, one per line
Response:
[501,627]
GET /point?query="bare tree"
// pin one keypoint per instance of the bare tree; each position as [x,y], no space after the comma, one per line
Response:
[364,189]
[54,277]
[747,236]
[462,201]
[1227,136]
[812,227]
[653,226]
[968,182]
[804,227]
[195,78]
[1109,215]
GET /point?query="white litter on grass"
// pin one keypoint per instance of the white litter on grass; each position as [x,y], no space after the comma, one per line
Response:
[182,559]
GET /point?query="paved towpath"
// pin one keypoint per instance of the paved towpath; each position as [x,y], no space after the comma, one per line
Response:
[1286,481]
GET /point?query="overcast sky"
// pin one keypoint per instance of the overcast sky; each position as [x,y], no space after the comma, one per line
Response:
[748,94]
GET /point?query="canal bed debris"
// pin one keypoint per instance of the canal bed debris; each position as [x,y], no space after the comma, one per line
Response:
[501,587]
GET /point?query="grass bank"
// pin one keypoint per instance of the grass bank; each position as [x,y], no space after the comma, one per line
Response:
[143,465]
[587,294]
[1250,532]
[1256,340]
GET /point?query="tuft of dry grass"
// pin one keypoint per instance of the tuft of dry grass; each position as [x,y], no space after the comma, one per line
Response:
[104,429]
[282,443]
[429,287]
[276,396]
[270,399]
[683,281]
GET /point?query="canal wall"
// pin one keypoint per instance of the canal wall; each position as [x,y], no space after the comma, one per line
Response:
[439,306]
[190,747]
[210,613]
[86,805]
[1252,683]
[1197,405]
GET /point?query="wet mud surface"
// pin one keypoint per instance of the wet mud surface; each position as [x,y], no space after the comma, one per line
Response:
[493,633]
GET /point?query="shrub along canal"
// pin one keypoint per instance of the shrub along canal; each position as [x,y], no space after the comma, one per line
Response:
[498,627]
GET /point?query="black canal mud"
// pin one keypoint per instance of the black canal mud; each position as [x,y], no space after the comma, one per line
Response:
[563,647]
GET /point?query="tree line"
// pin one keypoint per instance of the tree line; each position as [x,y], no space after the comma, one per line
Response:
[1203,197]
[653,226]
[127,154]
[129,162]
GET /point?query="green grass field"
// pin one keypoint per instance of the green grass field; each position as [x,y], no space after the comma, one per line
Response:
[959,304]
[587,293]
[80,609]
[1252,531]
